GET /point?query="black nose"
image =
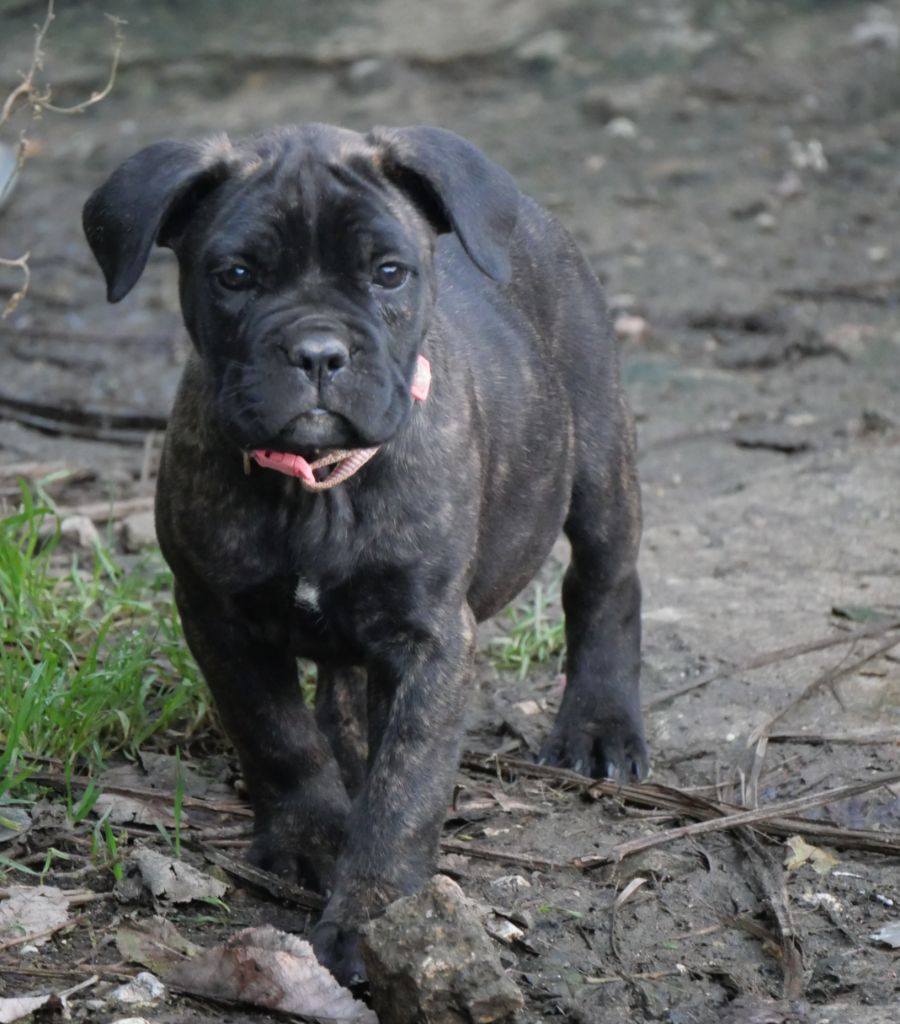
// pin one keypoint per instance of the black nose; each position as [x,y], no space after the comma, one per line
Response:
[319,355]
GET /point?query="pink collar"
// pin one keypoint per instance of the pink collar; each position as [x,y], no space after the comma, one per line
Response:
[345,462]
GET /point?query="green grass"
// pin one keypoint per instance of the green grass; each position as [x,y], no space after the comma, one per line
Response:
[92,658]
[536,632]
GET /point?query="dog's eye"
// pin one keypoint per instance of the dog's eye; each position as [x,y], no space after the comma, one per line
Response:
[389,275]
[236,278]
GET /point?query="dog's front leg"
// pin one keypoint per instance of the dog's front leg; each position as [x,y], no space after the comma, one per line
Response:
[395,823]
[299,801]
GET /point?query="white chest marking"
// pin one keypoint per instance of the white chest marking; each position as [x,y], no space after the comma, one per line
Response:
[306,594]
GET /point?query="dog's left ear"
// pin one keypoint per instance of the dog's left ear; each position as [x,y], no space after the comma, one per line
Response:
[460,189]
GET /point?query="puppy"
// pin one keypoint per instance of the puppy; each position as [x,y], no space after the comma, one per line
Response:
[403,386]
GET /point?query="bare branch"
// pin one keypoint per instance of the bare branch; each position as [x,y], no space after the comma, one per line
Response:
[38,96]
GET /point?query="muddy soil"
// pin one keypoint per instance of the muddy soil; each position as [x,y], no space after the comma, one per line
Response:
[731,168]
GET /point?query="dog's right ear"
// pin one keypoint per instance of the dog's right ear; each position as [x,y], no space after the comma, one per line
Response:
[145,201]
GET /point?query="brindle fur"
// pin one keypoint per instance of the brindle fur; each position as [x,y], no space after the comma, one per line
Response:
[381,580]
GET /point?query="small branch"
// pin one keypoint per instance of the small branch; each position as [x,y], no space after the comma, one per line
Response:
[70,923]
[756,816]
[773,658]
[21,264]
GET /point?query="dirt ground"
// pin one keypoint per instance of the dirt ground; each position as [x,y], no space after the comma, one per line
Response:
[731,168]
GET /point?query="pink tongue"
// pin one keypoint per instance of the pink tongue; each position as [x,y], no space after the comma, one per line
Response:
[296,465]
[285,462]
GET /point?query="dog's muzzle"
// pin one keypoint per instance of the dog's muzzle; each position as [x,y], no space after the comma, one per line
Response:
[340,464]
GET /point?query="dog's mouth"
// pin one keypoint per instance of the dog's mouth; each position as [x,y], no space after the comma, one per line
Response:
[321,474]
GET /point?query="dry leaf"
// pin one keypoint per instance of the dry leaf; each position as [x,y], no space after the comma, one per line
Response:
[165,879]
[155,943]
[802,852]
[20,1007]
[889,935]
[31,910]
[266,967]
[127,810]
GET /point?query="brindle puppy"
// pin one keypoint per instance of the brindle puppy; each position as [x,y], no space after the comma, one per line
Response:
[318,267]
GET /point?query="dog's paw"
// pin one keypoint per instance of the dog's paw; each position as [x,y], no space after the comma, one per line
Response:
[304,856]
[338,949]
[610,749]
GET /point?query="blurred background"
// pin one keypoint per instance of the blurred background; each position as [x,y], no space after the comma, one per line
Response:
[732,170]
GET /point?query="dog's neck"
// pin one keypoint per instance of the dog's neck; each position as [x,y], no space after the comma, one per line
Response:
[345,462]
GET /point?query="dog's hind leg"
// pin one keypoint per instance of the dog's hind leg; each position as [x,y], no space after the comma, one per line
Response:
[598,730]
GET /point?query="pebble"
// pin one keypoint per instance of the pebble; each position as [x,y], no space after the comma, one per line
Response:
[633,329]
[138,531]
[81,531]
[548,48]
[622,128]
[144,990]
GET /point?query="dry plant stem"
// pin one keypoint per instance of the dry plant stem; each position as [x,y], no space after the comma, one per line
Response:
[20,940]
[118,971]
[272,884]
[151,795]
[730,821]
[107,511]
[28,91]
[773,658]
[770,881]
[685,804]
[518,859]
[828,678]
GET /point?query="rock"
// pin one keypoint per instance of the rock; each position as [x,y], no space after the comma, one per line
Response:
[622,128]
[138,531]
[633,329]
[428,958]
[79,531]
[547,49]
[144,990]
[367,75]
[878,28]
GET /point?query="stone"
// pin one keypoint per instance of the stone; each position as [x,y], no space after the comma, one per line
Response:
[138,531]
[428,958]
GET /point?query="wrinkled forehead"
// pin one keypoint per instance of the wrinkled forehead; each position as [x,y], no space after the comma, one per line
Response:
[315,184]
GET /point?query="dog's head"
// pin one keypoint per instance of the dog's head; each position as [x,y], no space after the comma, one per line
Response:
[306,266]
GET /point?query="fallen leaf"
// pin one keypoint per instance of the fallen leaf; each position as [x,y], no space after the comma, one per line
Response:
[165,879]
[19,1007]
[269,968]
[14,822]
[889,935]
[127,810]
[155,943]
[30,910]
[802,852]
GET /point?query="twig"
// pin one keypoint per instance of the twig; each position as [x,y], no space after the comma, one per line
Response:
[691,805]
[275,886]
[21,264]
[60,783]
[772,658]
[770,879]
[876,293]
[28,91]
[107,511]
[70,923]
[826,678]
[83,416]
[110,970]
[756,816]
[521,860]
